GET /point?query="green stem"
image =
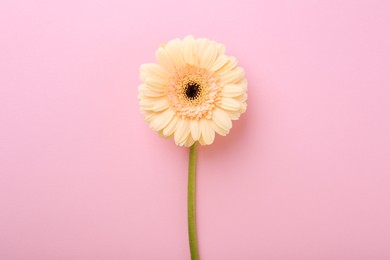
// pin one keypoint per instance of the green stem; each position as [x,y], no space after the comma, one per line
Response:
[191,204]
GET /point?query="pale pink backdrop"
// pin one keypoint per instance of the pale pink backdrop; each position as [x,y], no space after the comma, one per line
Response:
[305,173]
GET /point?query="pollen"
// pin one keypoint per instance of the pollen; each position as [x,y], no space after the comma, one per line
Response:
[193,92]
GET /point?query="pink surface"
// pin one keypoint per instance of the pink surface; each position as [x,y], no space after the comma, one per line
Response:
[305,173]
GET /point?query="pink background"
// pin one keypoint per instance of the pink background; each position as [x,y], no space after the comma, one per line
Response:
[305,173]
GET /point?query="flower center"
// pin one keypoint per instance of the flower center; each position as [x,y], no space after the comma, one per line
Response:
[192,90]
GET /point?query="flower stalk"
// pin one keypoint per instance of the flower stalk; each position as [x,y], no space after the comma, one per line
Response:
[191,203]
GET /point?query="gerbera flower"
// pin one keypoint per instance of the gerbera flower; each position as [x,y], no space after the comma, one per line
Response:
[193,92]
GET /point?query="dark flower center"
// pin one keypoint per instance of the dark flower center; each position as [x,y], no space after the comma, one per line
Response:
[192,90]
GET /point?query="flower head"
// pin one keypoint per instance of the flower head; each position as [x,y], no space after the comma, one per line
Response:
[193,92]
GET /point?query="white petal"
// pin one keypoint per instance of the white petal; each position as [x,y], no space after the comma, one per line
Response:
[164,59]
[208,133]
[182,131]
[232,90]
[161,120]
[195,129]
[189,48]
[222,119]
[229,104]
[171,127]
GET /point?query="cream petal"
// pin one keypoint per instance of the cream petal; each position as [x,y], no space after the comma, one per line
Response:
[201,141]
[161,120]
[171,127]
[228,66]
[175,51]
[243,107]
[207,58]
[242,98]
[189,48]
[168,136]
[189,141]
[146,103]
[208,133]
[195,129]
[153,70]
[182,131]
[229,104]
[243,83]
[155,84]
[234,115]
[222,119]
[140,89]
[147,91]
[202,45]
[234,76]
[160,133]
[164,59]
[220,62]
[185,141]
[160,104]
[232,90]
[220,48]
[149,117]
[218,129]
